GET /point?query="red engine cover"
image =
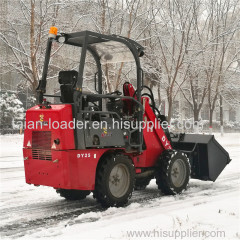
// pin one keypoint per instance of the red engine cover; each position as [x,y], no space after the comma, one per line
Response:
[57,165]
[47,120]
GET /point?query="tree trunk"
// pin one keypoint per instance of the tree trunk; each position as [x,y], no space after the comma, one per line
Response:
[196,115]
[169,107]
[107,79]
[196,120]
[122,63]
[159,94]
[103,17]
[210,121]
[119,76]
[221,115]
[34,81]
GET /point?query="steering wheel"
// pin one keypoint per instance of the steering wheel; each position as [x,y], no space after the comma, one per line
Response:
[116,92]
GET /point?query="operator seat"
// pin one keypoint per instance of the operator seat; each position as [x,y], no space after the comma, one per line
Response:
[67,80]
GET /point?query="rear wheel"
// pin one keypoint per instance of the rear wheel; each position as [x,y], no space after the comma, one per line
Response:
[114,181]
[173,172]
[70,194]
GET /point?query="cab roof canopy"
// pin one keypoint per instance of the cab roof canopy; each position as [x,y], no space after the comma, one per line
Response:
[109,48]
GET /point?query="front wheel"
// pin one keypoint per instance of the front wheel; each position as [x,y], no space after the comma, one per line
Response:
[114,181]
[173,172]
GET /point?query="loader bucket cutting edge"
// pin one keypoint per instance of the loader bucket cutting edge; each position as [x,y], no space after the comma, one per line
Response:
[207,157]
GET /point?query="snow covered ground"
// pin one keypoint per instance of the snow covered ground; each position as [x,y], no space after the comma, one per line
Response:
[205,211]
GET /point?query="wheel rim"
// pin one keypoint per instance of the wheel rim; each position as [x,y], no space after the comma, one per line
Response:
[178,173]
[119,180]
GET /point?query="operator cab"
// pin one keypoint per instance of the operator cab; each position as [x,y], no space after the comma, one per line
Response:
[89,106]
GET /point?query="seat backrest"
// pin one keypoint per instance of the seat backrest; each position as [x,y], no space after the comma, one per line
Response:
[67,80]
[68,77]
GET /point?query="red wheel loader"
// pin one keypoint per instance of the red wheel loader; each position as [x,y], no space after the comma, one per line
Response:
[111,160]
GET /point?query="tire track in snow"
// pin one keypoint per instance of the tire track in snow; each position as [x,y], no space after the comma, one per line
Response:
[58,211]
[11,169]
[147,198]
[153,192]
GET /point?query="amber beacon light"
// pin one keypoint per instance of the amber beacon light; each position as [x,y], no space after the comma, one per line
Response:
[53,32]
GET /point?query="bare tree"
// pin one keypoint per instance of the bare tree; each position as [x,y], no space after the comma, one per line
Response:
[190,45]
[128,18]
[172,32]
[195,93]
[222,25]
[209,54]
[26,39]
[195,88]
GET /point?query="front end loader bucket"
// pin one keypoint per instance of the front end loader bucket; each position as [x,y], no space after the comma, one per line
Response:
[207,157]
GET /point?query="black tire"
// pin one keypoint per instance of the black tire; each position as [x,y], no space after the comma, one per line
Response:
[73,195]
[142,183]
[110,188]
[173,172]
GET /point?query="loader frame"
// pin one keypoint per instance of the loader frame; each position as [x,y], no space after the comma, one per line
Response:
[72,162]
